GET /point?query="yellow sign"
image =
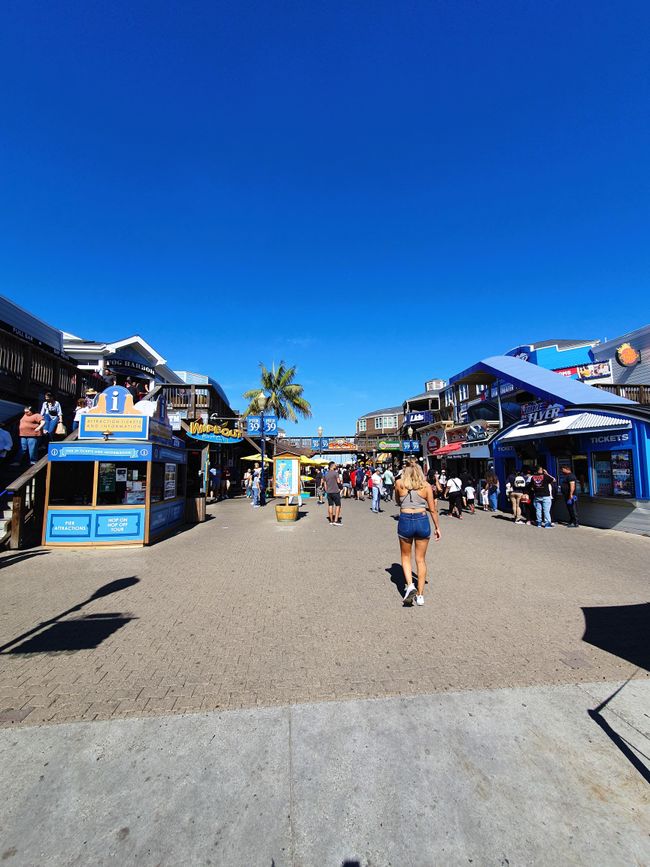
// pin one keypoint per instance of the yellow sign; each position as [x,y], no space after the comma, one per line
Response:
[101,423]
[214,433]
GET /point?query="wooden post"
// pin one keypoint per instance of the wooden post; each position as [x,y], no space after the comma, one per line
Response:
[17,504]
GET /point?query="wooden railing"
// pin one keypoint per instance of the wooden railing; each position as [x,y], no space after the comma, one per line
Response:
[638,393]
[27,498]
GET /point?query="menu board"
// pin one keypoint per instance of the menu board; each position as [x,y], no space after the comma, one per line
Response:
[106,478]
[622,474]
[170,481]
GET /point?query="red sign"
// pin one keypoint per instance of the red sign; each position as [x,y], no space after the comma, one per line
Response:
[433,443]
[566,371]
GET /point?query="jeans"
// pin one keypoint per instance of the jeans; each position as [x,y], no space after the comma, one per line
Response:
[51,421]
[256,496]
[493,498]
[543,510]
[376,498]
[389,493]
[29,446]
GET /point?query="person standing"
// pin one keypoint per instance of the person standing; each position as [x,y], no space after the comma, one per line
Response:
[541,490]
[332,482]
[568,486]
[470,496]
[377,490]
[414,496]
[256,486]
[454,492]
[247,482]
[52,414]
[389,483]
[493,491]
[516,489]
[30,431]
[358,482]
[347,483]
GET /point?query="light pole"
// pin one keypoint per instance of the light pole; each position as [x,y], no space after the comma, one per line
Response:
[320,441]
[261,402]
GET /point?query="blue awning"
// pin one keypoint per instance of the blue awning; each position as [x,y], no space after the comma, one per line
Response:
[543,383]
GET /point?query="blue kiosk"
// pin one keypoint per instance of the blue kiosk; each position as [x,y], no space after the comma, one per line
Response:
[122,482]
[604,438]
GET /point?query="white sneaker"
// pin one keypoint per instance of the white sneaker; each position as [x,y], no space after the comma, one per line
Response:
[419,600]
[408,591]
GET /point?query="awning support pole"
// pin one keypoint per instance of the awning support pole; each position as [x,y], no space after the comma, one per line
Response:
[499,404]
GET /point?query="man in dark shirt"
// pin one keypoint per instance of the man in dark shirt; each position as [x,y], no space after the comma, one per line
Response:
[568,482]
[333,491]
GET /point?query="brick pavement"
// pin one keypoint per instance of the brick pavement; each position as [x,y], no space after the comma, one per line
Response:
[243,612]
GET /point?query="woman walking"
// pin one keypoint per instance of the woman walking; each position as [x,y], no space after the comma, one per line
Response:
[414,496]
[493,491]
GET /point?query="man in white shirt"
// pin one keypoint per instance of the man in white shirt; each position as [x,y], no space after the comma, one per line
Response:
[454,492]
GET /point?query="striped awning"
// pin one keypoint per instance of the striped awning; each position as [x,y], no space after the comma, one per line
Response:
[582,422]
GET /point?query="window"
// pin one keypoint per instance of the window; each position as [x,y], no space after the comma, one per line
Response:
[463,391]
[121,484]
[166,481]
[390,421]
[361,424]
[480,388]
[449,397]
[71,483]
[613,474]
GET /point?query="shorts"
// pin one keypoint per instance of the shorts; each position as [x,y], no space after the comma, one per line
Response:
[347,485]
[413,526]
[334,499]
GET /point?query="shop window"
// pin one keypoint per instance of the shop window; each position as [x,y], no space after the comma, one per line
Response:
[122,484]
[71,483]
[167,481]
[613,474]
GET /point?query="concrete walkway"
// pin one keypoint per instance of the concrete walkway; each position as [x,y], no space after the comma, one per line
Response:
[247,693]
[502,777]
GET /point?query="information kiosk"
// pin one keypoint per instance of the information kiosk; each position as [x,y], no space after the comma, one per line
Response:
[122,482]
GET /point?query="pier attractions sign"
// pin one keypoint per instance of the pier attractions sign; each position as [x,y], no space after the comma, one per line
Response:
[225,431]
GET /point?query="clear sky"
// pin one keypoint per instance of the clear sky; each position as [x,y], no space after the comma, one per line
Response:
[378,192]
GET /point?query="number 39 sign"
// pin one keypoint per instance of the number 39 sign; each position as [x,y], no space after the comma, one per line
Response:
[254,425]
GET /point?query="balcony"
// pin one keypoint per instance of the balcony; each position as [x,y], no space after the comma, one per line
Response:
[638,393]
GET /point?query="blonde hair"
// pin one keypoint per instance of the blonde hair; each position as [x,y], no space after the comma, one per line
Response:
[413,477]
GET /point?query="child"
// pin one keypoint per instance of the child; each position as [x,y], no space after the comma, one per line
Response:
[470,494]
[485,501]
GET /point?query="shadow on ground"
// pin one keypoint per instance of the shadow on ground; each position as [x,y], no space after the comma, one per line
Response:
[623,630]
[82,631]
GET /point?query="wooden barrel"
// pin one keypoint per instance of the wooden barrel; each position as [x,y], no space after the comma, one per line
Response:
[284,514]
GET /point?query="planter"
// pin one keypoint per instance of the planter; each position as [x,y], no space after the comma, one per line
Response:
[286,514]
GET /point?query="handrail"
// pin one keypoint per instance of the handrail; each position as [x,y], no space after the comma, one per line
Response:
[34,470]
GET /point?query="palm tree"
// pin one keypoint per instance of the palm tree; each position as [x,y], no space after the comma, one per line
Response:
[284,396]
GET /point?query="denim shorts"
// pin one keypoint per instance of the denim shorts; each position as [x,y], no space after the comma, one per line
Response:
[413,526]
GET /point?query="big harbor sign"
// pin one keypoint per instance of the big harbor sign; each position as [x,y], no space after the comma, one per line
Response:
[223,432]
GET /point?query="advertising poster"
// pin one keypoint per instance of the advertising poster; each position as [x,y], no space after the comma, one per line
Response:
[287,477]
[622,474]
[107,478]
[170,481]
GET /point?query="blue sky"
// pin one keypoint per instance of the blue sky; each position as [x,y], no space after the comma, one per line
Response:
[377,192]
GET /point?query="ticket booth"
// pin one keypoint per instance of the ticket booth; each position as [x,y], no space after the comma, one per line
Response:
[123,482]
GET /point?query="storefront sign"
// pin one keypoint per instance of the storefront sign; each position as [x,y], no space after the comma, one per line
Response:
[389,446]
[541,411]
[125,364]
[317,443]
[254,425]
[566,371]
[610,439]
[425,417]
[627,355]
[225,432]
[162,453]
[411,446]
[77,526]
[124,427]
[597,370]
[341,446]
[165,514]
[433,443]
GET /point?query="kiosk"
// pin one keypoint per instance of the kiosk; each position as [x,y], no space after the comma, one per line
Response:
[122,483]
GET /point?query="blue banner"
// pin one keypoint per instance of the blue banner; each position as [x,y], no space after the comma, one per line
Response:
[320,443]
[254,425]
[98,452]
[162,453]
[424,417]
[412,446]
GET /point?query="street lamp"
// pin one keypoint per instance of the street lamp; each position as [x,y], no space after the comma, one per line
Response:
[320,441]
[262,400]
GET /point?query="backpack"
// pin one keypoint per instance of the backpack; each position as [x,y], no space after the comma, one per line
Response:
[519,483]
[346,477]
